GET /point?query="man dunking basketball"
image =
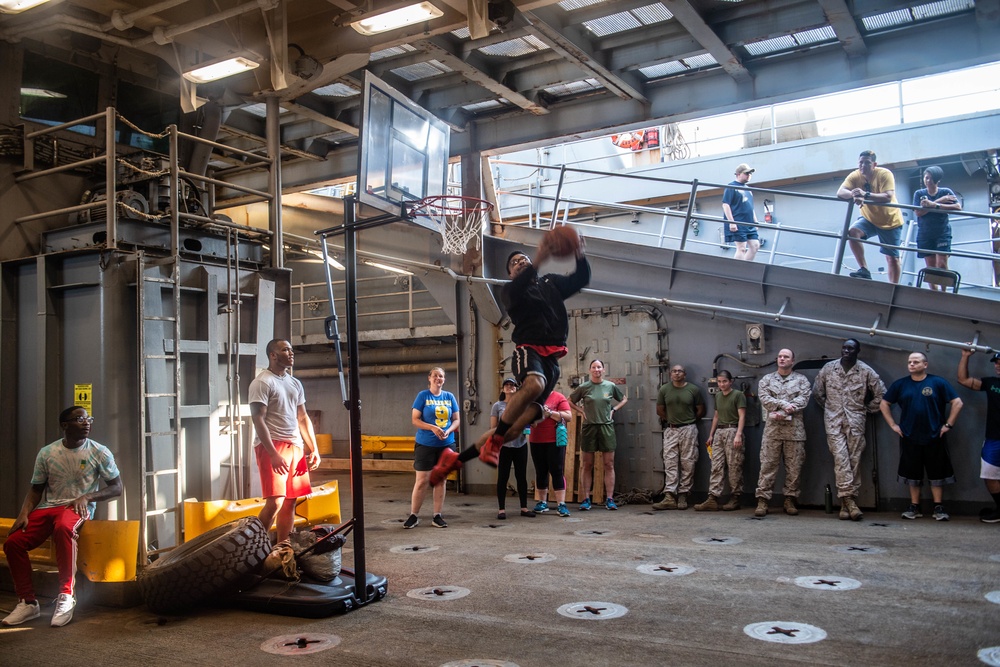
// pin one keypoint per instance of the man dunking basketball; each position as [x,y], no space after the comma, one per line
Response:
[536,309]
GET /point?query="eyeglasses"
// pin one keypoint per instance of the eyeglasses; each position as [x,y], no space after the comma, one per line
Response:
[81,420]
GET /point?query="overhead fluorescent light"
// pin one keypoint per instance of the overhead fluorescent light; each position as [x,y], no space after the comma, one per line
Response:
[397,18]
[18,6]
[41,92]
[220,69]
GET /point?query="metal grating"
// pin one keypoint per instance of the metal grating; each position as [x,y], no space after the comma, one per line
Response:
[630,20]
[570,5]
[487,105]
[772,45]
[574,87]
[887,20]
[337,90]
[943,8]
[824,34]
[424,70]
[462,33]
[513,48]
[392,51]
[679,66]
[260,109]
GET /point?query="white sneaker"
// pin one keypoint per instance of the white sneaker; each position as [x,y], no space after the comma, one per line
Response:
[65,604]
[24,611]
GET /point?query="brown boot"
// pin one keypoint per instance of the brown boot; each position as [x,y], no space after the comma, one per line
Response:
[710,505]
[733,504]
[682,501]
[790,508]
[845,513]
[761,507]
[853,509]
[669,502]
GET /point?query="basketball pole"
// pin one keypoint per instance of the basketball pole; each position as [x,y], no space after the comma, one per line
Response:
[349,229]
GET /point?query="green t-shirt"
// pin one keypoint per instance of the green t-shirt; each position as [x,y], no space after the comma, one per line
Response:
[727,407]
[680,402]
[598,400]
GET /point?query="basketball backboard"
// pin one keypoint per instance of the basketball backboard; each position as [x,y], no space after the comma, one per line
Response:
[402,150]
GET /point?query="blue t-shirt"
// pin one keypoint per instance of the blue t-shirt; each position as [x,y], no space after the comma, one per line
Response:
[933,219]
[740,203]
[923,406]
[436,410]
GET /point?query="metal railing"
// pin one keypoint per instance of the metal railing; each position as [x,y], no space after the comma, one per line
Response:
[566,209]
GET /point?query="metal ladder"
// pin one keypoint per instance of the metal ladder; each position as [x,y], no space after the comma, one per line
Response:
[161,456]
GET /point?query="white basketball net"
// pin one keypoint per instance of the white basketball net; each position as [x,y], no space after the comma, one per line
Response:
[459,219]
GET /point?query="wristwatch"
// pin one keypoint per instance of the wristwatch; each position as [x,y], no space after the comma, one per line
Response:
[948,425]
[937,205]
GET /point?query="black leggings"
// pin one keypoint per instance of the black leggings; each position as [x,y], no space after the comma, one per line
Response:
[518,456]
[549,460]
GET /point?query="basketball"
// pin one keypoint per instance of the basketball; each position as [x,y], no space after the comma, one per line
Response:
[561,241]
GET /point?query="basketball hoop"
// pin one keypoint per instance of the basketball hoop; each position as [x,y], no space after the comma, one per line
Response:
[459,219]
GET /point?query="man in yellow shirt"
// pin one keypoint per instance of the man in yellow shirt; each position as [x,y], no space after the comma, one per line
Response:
[869,186]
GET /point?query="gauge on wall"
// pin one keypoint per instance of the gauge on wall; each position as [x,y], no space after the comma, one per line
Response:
[755,338]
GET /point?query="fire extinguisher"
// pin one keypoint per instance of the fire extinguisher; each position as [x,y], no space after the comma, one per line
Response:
[768,209]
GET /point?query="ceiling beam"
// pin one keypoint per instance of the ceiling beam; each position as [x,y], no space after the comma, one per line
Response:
[692,21]
[842,22]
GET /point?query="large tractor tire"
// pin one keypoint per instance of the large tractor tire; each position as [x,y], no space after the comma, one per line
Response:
[212,564]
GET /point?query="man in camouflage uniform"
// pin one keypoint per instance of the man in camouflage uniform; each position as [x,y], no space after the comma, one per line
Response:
[783,396]
[679,405]
[847,389]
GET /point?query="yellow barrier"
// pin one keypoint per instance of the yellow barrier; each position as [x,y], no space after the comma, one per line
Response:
[106,550]
[324,444]
[387,444]
[322,506]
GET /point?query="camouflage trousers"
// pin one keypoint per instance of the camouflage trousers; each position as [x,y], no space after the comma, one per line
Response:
[725,454]
[772,451]
[680,454]
[847,445]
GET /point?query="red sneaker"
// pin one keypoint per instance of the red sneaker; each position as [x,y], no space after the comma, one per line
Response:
[447,463]
[489,453]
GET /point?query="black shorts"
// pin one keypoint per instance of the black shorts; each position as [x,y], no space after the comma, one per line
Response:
[932,458]
[426,457]
[527,362]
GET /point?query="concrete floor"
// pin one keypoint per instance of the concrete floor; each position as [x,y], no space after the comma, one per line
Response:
[921,600]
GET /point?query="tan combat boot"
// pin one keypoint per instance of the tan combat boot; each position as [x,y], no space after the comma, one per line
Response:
[853,509]
[669,502]
[682,501]
[710,505]
[733,504]
[761,507]
[790,508]
[845,512]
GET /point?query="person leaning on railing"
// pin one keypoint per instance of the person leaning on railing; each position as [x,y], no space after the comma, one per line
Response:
[870,185]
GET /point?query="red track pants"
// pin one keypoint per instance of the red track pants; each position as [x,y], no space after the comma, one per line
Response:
[63,524]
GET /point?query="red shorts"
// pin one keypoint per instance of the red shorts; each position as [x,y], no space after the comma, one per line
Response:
[293,484]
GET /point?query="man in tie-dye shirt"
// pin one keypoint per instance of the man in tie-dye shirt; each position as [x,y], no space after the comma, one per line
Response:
[65,488]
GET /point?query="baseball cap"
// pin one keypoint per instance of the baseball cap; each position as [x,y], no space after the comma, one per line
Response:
[995,358]
[511,381]
[744,169]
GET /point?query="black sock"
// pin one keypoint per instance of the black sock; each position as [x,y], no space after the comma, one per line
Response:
[468,454]
[502,428]
[996,499]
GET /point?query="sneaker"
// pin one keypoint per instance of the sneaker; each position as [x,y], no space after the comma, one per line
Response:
[447,463]
[609,504]
[24,611]
[562,509]
[912,512]
[585,505]
[412,521]
[65,604]
[439,522]
[990,515]
[541,506]
[940,514]
[489,453]
[863,272]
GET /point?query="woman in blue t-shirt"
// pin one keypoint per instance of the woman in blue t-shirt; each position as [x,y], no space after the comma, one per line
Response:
[435,416]
[933,228]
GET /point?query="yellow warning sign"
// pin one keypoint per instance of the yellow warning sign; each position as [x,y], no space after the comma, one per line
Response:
[83,395]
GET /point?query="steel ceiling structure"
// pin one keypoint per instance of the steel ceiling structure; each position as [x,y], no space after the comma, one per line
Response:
[555,69]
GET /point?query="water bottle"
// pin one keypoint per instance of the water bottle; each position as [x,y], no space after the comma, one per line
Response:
[828,499]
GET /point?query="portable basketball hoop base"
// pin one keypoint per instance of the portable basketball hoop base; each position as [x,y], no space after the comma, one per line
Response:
[459,219]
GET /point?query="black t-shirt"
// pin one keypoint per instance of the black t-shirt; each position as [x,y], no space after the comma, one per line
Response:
[992,388]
